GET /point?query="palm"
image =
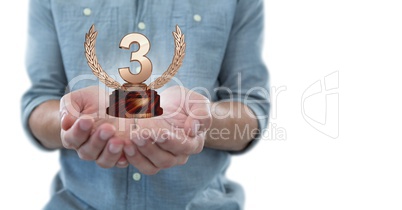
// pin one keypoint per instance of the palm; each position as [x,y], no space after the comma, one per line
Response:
[174,101]
[88,101]
[182,109]
[173,108]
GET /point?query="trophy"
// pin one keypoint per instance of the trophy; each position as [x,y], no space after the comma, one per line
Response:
[135,99]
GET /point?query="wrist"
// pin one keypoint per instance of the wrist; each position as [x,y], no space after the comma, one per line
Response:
[44,123]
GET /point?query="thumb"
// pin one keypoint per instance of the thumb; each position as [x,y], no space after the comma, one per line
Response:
[67,120]
[69,111]
[198,120]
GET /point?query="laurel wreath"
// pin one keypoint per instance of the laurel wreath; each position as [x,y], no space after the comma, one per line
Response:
[92,60]
[177,61]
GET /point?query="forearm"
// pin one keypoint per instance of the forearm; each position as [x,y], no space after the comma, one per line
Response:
[44,123]
[233,126]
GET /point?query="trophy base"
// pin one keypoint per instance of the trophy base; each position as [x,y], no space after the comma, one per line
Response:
[139,103]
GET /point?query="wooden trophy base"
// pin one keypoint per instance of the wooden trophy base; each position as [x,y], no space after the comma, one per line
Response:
[134,101]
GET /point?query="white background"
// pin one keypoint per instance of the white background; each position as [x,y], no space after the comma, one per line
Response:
[304,42]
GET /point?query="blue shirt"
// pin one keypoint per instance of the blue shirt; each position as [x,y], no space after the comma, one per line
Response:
[223,61]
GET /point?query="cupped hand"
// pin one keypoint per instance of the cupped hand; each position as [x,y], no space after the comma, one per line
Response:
[168,140]
[87,129]
[150,145]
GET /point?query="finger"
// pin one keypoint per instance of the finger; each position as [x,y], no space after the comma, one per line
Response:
[199,115]
[159,158]
[200,138]
[111,153]
[74,137]
[178,143]
[67,121]
[139,161]
[192,126]
[91,149]
[122,162]
[182,159]
[70,105]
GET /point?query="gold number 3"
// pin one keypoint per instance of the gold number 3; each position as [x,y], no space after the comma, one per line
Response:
[139,55]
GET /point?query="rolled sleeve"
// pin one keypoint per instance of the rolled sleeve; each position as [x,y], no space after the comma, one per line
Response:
[244,76]
[43,63]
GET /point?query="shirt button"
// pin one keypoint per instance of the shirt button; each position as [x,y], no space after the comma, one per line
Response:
[87,12]
[197,17]
[137,177]
[141,25]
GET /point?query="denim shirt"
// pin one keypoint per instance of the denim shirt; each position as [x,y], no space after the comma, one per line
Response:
[223,61]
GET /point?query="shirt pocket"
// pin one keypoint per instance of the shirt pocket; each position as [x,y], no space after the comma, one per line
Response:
[206,34]
[74,23]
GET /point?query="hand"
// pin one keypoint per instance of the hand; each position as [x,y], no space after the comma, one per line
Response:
[160,142]
[168,140]
[83,130]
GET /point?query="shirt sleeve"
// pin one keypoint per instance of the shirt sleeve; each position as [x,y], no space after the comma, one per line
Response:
[43,62]
[244,76]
